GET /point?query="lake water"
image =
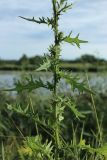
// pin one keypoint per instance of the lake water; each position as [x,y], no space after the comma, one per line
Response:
[98,81]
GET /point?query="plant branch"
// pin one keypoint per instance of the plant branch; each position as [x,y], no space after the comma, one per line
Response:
[41,20]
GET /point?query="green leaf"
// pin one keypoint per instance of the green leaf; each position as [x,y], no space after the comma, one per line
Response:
[74,82]
[102,150]
[35,148]
[45,66]
[63,6]
[77,113]
[18,109]
[74,109]
[41,20]
[82,144]
[29,85]
[27,112]
[75,40]
[62,103]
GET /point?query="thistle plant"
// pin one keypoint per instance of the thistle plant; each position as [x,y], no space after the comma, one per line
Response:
[55,146]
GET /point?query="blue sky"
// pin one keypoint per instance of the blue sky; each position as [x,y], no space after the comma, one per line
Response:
[88,17]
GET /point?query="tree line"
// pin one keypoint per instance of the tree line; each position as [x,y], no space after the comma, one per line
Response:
[29,63]
[35,60]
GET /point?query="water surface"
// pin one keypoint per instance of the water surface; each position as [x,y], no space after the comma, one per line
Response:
[98,81]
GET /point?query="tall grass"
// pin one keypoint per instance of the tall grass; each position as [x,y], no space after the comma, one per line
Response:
[87,126]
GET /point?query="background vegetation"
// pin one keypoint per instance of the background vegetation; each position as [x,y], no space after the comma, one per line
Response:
[89,62]
[14,126]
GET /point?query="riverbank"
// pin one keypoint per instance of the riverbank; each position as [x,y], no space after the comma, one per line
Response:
[84,63]
[75,67]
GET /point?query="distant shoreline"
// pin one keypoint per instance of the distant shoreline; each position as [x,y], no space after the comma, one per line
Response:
[85,63]
[74,67]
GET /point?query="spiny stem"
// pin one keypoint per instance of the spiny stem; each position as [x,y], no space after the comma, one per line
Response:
[55,72]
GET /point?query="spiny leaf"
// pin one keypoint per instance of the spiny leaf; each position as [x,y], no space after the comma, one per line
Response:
[62,103]
[77,113]
[74,82]
[41,20]
[45,66]
[102,150]
[75,40]
[26,151]
[74,109]
[27,112]
[29,85]
[18,109]
[65,8]
[35,148]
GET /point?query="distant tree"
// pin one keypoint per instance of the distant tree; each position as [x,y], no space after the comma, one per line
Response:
[88,58]
[36,60]
[24,60]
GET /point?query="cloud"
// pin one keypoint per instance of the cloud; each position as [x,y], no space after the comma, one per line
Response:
[18,36]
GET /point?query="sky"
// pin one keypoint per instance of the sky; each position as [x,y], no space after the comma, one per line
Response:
[18,37]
